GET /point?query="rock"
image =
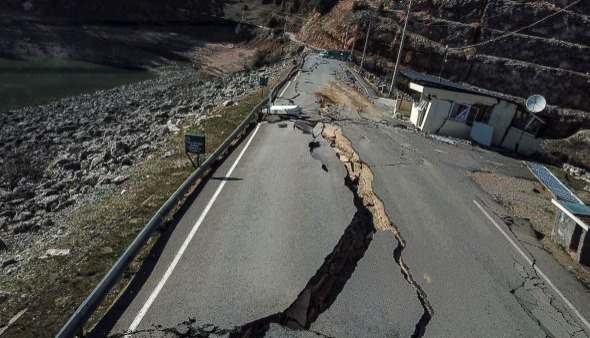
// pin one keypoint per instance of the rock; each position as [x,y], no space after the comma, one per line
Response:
[24,227]
[120,148]
[4,296]
[8,213]
[63,301]
[55,253]
[48,202]
[182,329]
[47,222]
[23,216]
[126,161]
[104,180]
[228,103]
[8,261]
[74,166]
[3,245]
[120,179]
[64,205]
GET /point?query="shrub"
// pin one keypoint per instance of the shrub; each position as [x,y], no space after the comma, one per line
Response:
[381,8]
[275,22]
[324,6]
[259,58]
[359,6]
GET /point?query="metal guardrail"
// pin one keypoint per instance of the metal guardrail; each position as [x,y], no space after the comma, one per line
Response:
[76,323]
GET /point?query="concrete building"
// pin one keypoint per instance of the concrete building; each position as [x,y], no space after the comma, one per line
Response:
[451,109]
[571,229]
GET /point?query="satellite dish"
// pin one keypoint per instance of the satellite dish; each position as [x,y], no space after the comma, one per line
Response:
[535,103]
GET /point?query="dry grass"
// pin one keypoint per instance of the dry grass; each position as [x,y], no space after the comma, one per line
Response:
[102,230]
[343,95]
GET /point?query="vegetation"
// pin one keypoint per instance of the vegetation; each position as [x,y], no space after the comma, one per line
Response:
[324,6]
[359,6]
[275,22]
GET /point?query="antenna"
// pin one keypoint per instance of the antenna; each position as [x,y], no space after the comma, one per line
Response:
[535,103]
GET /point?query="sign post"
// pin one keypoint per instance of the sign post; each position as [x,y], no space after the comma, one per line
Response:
[194,143]
[263,81]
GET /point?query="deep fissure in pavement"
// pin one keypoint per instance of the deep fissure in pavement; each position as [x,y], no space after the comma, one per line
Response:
[323,288]
[361,173]
[329,280]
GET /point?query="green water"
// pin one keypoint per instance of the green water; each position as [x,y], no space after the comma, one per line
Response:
[33,82]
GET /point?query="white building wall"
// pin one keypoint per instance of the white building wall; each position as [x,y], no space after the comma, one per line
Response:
[435,116]
[502,115]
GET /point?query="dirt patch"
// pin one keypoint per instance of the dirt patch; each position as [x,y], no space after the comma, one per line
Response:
[530,212]
[360,176]
[343,95]
[359,173]
[222,58]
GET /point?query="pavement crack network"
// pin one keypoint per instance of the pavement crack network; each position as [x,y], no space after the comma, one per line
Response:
[323,288]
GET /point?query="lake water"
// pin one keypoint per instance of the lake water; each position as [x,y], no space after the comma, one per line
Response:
[33,82]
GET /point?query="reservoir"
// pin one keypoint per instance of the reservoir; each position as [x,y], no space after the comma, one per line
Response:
[34,82]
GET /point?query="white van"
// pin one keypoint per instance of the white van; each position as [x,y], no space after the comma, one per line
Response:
[293,110]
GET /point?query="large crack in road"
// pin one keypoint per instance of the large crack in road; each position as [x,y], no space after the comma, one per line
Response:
[323,288]
[361,173]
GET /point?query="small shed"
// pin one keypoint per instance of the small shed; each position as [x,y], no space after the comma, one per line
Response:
[571,229]
[572,219]
[452,109]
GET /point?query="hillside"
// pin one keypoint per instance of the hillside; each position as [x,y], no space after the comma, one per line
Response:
[450,38]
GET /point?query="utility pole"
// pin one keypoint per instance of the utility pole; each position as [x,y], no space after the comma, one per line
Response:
[345,37]
[356,29]
[442,67]
[365,49]
[401,47]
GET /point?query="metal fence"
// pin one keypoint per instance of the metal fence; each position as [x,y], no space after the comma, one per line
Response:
[77,321]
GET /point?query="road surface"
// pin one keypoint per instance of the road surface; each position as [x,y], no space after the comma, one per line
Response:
[276,240]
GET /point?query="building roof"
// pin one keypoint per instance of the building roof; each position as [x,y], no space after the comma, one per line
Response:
[577,208]
[437,82]
[578,212]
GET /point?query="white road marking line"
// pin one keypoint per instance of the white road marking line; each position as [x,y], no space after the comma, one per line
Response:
[187,241]
[537,269]
[285,89]
[288,84]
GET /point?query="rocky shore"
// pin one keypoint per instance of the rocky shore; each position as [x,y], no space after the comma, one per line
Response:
[54,157]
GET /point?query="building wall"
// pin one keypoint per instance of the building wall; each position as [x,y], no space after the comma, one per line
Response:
[584,250]
[458,129]
[528,145]
[482,133]
[414,115]
[459,97]
[564,228]
[403,107]
[502,115]
[435,116]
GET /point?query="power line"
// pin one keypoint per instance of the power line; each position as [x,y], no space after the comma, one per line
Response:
[518,30]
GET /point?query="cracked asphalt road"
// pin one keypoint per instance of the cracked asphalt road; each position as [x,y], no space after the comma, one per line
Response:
[278,226]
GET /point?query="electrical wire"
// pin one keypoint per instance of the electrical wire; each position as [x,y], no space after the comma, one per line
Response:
[516,31]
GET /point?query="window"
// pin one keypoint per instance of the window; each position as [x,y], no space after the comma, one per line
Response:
[423,105]
[463,112]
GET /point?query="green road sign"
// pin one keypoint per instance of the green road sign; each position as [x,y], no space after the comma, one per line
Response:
[194,143]
[263,81]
